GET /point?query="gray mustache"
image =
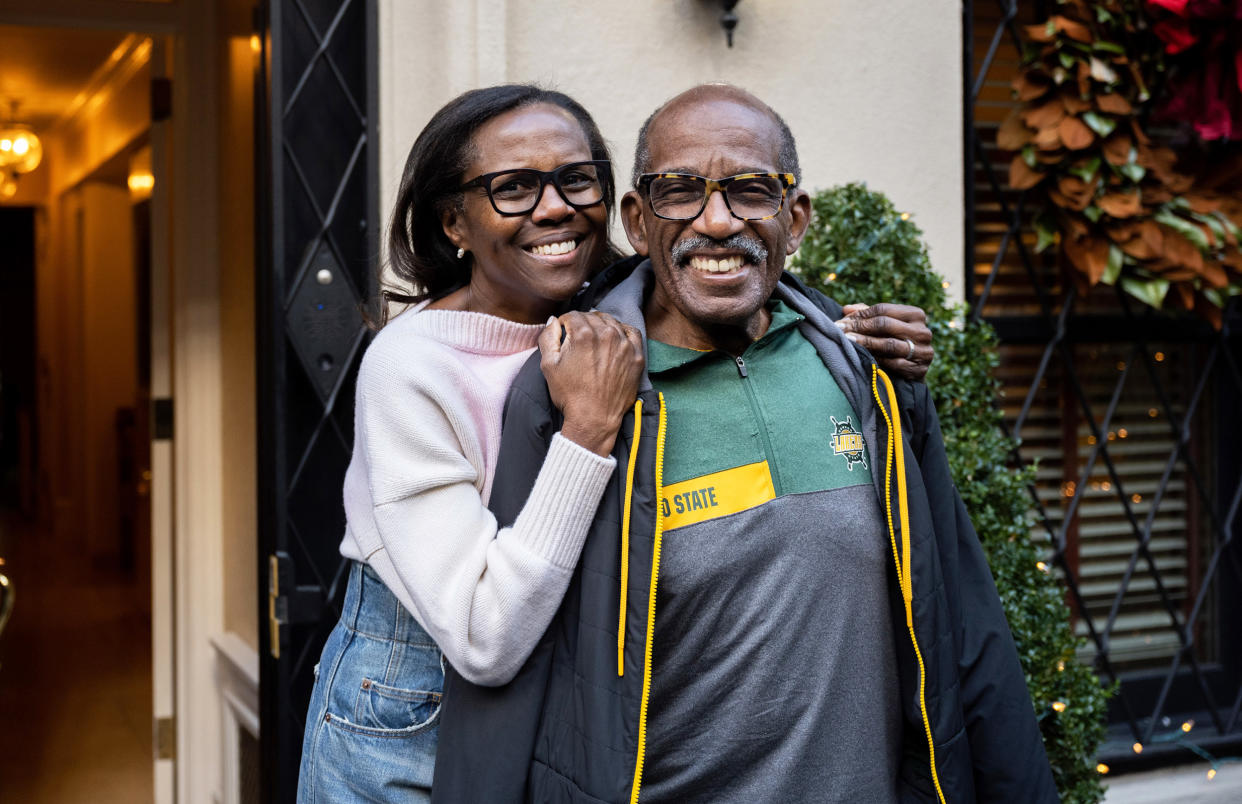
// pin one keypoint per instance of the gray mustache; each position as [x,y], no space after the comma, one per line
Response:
[751,247]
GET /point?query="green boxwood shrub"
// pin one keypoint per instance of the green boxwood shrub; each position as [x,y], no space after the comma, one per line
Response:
[861,249]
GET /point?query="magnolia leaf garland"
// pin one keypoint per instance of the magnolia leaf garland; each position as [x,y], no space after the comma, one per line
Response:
[1118,205]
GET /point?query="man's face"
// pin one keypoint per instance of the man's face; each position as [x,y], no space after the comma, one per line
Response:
[713,273]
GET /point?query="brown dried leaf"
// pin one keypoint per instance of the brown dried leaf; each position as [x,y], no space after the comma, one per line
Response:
[1084,79]
[1047,139]
[1203,204]
[1089,255]
[1013,133]
[1214,274]
[1138,132]
[1185,295]
[1030,86]
[1121,205]
[1077,192]
[1021,176]
[1072,29]
[1074,104]
[1045,115]
[1180,251]
[1075,133]
[1113,104]
[1122,231]
[1117,149]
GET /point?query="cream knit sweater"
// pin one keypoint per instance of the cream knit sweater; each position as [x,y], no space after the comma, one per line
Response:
[430,395]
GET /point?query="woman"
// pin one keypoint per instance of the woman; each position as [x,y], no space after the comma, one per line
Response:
[498,253]
[501,217]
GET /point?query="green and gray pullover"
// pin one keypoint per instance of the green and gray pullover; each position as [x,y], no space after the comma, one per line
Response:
[582,720]
[773,667]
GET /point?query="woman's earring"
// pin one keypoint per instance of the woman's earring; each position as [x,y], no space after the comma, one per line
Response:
[461,252]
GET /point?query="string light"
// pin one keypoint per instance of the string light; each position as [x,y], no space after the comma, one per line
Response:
[832,277]
[1101,769]
[1059,706]
[905,216]
[1187,726]
[1211,774]
[1061,666]
[1138,748]
[1041,566]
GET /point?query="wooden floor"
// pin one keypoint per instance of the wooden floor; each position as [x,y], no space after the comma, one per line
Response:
[75,677]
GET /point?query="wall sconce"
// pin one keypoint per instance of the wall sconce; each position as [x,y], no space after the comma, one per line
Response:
[728,20]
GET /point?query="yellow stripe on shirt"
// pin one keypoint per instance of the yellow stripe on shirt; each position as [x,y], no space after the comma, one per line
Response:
[718,494]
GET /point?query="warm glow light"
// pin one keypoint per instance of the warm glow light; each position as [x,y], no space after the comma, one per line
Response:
[256,44]
[1041,566]
[905,216]
[8,189]
[1138,748]
[1211,774]
[1138,498]
[1123,432]
[1101,769]
[1159,357]
[1061,666]
[139,182]
[832,277]
[1188,725]
[945,284]
[1059,706]
[20,149]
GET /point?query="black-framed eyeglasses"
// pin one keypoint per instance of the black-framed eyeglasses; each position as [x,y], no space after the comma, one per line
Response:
[517,191]
[682,196]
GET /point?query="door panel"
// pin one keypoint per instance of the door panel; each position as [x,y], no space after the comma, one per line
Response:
[317,178]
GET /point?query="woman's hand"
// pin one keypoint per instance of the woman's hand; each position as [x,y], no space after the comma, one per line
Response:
[896,334]
[592,373]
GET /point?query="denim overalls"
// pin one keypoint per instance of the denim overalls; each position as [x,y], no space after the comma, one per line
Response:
[372,723]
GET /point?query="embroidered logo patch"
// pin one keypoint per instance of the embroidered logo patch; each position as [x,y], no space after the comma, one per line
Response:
[848,442]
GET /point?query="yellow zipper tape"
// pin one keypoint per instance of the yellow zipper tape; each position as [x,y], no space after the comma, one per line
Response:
[625,535]
[651,610]
[895,451]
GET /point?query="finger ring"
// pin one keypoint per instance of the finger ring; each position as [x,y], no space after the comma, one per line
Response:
[910,353]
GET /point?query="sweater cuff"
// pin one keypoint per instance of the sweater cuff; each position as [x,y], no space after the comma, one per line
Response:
[561,506]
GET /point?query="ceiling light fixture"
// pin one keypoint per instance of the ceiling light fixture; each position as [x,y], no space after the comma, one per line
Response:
[21,151]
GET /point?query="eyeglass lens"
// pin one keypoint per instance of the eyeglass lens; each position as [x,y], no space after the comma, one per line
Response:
[518,191]
[683,197]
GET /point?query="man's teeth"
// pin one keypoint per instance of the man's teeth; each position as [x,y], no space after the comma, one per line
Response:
[548,249]
[716,266]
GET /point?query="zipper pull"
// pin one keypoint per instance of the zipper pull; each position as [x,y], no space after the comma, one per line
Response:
[741,367]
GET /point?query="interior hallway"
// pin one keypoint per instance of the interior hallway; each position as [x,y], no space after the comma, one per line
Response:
[75,678]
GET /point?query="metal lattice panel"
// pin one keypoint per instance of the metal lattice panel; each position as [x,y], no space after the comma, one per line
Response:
[1131,417]
[319,100]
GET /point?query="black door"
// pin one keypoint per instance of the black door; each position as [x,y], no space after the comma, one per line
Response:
[317,236]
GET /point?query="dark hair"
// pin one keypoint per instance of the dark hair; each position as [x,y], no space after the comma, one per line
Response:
[787,159]
[418,250]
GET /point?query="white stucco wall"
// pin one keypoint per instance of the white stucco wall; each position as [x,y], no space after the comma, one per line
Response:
[872,91]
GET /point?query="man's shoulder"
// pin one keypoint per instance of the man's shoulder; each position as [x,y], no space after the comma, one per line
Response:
[828,305]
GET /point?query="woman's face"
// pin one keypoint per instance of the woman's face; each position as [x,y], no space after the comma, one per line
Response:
[519,270]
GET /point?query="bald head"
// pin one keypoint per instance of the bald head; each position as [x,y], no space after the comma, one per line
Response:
[673,112]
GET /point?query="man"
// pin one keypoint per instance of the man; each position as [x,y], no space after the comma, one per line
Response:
[782,599]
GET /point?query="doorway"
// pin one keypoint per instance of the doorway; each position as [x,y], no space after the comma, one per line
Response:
[75,435]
